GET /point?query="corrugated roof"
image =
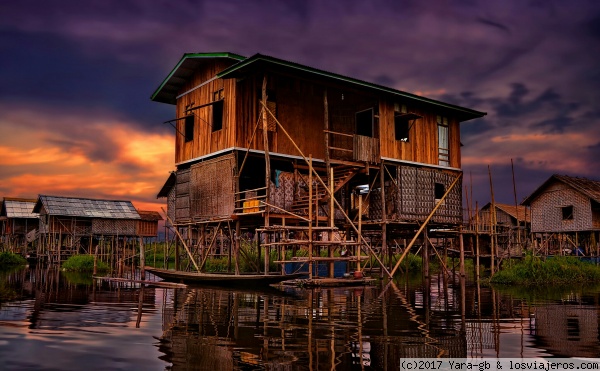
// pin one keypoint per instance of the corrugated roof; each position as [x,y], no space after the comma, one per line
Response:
[588,187]
[18,208]
[86,207]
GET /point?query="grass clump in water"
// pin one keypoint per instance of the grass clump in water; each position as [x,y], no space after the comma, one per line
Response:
[564,270]
[83,263]
[9,259]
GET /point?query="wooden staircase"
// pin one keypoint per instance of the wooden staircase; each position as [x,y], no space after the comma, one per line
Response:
[341,175]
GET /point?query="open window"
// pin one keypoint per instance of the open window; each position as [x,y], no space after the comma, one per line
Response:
[439,191]
[364,122]
[189,128]
[567,212]
[217,110]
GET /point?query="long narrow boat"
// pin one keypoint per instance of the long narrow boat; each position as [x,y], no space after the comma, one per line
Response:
[221,278]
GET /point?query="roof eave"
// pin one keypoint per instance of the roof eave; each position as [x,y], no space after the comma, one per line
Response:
[186,56]
[465,113]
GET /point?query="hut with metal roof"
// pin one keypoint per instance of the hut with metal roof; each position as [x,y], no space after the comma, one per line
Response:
[565,215]
[18,224]
[264,146]
[70,225]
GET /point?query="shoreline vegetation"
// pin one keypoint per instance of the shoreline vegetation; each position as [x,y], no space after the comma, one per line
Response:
[9,260]
[537,271]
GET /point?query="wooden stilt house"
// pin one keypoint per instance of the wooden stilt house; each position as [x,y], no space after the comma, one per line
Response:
[305,156]
[18,223]
[507,225]
[565,215]
[70,225]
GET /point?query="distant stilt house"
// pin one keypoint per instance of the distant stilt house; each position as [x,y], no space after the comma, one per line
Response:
[292,156]
[18,224]
[147,226]
[508,227]
[565,215]
[70,225]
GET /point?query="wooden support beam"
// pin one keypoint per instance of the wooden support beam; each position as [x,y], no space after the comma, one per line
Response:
[182,240]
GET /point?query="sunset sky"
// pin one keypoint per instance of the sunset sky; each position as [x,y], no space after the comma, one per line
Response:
[76,77]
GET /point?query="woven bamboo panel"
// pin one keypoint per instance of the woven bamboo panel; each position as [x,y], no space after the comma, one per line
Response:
[415,197]
[182,196]
[113,227]
[171,198]
[212,188]
[546,210]
[375,210]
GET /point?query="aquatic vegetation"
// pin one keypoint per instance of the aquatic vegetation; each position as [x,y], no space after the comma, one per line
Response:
[9,259]
[83,263]
[564,270]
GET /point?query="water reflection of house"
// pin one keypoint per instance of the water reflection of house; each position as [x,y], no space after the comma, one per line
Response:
[567,330]
[329,329]
[565,214]
[17,223]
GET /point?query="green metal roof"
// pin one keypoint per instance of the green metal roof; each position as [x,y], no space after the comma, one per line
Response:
[180,74]
[258,59]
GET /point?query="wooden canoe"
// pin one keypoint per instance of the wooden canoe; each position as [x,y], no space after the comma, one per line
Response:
[221,278]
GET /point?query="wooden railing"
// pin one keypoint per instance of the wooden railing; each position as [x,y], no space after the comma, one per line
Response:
[363,148]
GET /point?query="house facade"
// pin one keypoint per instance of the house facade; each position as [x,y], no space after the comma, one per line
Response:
[259,141]
[18,224]
[565,213]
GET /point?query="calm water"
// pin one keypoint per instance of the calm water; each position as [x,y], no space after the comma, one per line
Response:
[51,321]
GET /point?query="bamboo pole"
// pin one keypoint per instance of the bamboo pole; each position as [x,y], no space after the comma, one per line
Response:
[512,165]
[359,237]
[182,241]
[331,221]
[310,220]
[440,202]
[492,223]
[477,241]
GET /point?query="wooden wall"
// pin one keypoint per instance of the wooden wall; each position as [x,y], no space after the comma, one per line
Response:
[422,145]
[299,106]
[205,139]
[546,210]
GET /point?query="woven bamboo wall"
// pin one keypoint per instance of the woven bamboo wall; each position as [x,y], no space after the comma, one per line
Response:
[546,210]
[171,199]
[416,196]
[182,196]
[212,188]
[113,227]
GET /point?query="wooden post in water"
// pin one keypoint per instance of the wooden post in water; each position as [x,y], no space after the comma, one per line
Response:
[462,253]
[331,221]
[310,219]
[425,257]
[142,259]
[358,238]
[384,247]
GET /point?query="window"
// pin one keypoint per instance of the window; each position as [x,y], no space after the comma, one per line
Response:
[567,212]
[439,191]
[189,128]
[364,122]
[443,147]
[217,110]
[401,127]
